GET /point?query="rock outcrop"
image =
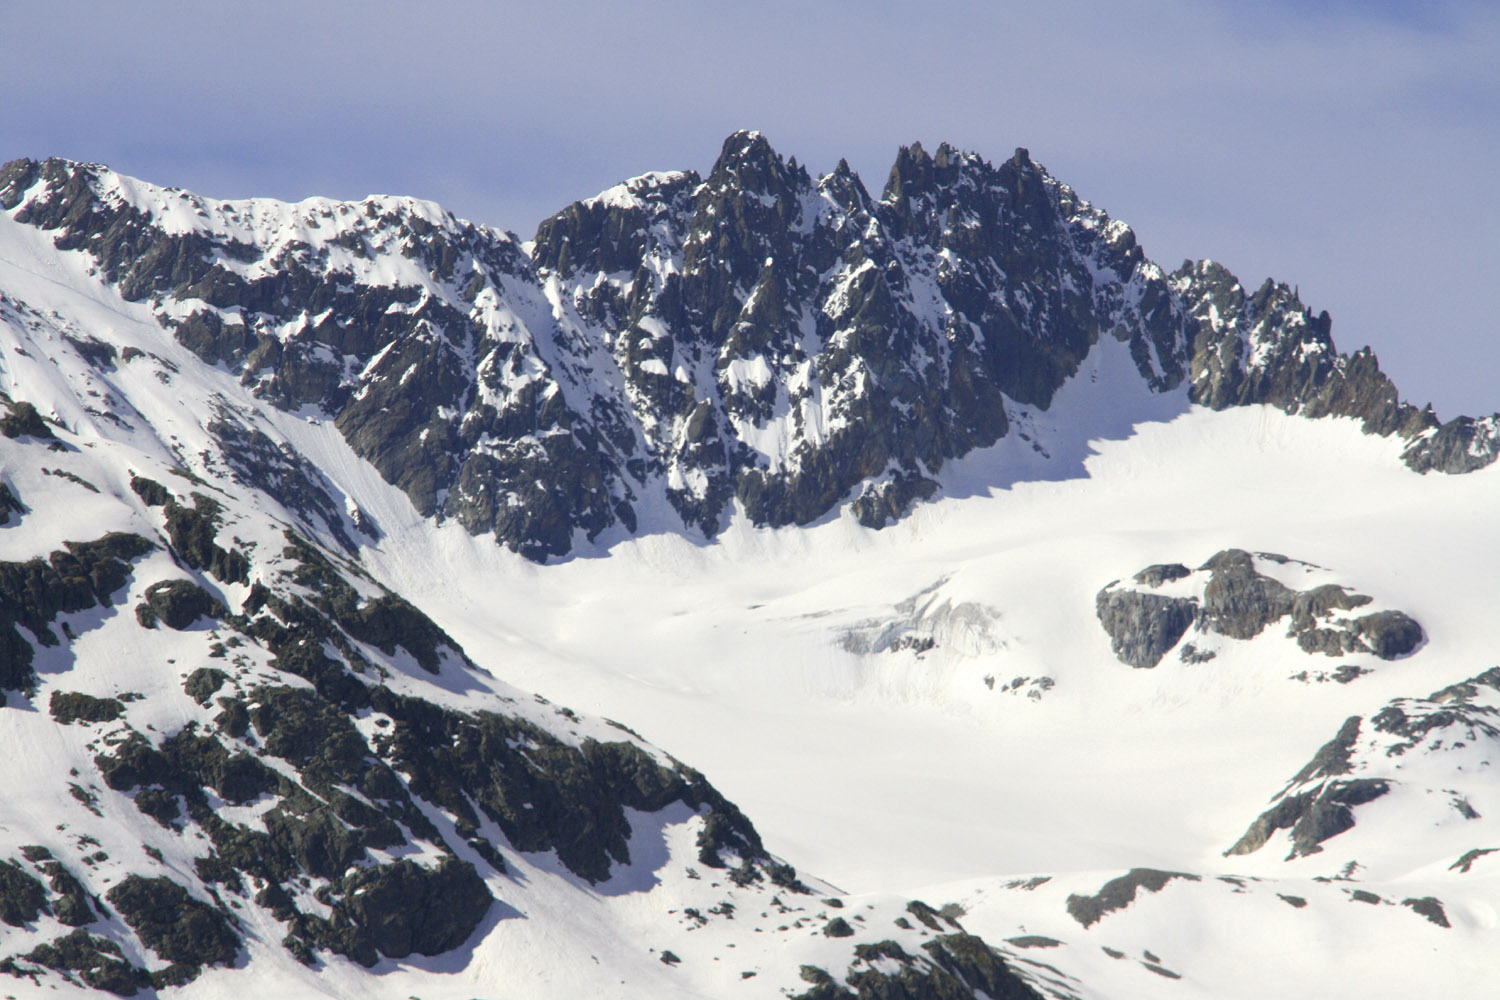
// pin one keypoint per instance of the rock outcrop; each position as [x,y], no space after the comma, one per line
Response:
[1365,762]
[1228,596]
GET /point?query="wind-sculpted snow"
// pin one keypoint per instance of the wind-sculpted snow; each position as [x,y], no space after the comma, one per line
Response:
[681,347]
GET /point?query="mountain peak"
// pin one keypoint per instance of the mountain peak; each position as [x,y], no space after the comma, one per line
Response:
[917,173]
[912,172]
[750,343]
[748,161]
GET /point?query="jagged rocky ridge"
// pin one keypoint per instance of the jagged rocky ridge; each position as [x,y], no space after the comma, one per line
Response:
[680,344]
[1229,597]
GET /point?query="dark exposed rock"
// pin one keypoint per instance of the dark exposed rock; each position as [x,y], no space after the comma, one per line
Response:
[1390,634]
[74,706]
[1310,606]
[80,576]
[1333,757]
[544,794]
[192,532]
[97,961]
[177,927]
[1323,805]
[338,797]
[955,966]
[970,960]
[401,426]
[176,974]
[838,927]
[180,603]
[1461,445]
[930,918]
[1465,691]
[203,683]
[1034,941]
[1464,863]
[152,493]
[505,436]
[16,177]
[71,477]
[257,462]
[1143,627]
[389,621]
[1240,602]
[183,766]
[1295,366]
[22,898]
[1414,721]
[1118,893]
[880,505]
[824,986]
[872,952]
[385,622]
[1311,817]
[97,353]
[1190,653]
[9,503]
[1155,576]
[1430,907]
[403,908]
[23,420]
[72,906]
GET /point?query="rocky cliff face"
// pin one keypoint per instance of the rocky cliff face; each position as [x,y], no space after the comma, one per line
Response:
[679,345]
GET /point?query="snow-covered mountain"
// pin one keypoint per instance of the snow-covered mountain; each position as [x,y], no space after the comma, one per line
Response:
[981,561]
[676,346]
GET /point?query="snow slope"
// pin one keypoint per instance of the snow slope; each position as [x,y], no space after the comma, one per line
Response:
[121,404]
[954,772]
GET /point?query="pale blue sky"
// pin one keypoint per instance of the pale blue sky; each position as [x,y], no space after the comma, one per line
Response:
[1346,147]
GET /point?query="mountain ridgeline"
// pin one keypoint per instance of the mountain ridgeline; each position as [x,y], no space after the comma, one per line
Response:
[678,345]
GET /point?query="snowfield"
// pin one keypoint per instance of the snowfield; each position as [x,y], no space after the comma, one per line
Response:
[953,776]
